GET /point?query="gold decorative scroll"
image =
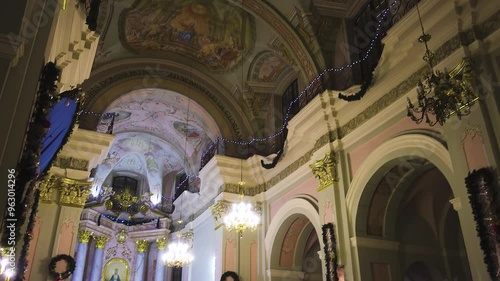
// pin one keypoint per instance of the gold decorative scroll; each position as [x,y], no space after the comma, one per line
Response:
[142,245]
[84,236]
[162,243]
[218,212]
[325,171]
[73,193]
[100,241]
[47,187]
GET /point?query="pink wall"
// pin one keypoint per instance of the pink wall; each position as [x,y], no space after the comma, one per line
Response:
[66,238]
[358,155]
[253,262]
[475,152]
[230,255]
[289,246]
[308,187]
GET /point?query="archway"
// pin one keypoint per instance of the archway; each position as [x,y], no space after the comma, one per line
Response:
[399,210]
[293,242]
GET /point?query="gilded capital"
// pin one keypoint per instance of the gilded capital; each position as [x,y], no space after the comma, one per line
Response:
[142,245]
[218,211]
[74,193]
[100,241]
[325,171]
[84,236]
[162,243]
[47,187]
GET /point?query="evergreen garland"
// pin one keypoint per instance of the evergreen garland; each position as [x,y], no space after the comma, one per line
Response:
[330,250]
[482,197]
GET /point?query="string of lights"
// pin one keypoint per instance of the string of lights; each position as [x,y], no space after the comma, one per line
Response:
[311,84]
[301,94]
[125,222]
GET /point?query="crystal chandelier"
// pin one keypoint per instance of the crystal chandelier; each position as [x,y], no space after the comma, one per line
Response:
[442,94]
[178,253]
[242,216]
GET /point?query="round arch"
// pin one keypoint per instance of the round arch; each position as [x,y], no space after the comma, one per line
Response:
[115,79]
[410,145]
[282,220]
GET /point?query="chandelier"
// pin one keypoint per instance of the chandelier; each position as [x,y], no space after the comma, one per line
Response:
[178,253]
[242,216]
[442,94]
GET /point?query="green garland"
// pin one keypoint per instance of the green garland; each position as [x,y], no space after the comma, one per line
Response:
[482,196]
[28,173]
[330,249]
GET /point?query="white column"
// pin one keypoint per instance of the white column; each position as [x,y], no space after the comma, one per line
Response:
[81,255]
[100,242]
[142,246]
[160,267]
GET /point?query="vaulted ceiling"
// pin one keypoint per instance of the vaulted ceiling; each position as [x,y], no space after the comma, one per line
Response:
[231,59]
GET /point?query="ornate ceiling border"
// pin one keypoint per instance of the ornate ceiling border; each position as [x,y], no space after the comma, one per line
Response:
[268,14]
[99,87]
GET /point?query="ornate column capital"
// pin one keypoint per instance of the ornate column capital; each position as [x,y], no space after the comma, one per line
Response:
[84,236]
[142,245]
[100,241]
[218,212]
[325,170]
[74,193]
[47,187]
[162,243]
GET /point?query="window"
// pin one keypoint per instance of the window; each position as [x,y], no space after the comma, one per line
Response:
[122,183]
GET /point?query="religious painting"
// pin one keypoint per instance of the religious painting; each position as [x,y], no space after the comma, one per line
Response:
[214,32]
[116,269]
[266,67]
[194,135]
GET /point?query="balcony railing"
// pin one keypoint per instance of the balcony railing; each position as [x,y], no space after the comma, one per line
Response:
[364,26]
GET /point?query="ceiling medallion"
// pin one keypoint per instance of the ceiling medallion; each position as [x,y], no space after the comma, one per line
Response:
[442,94]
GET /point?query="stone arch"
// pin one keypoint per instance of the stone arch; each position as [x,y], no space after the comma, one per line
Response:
[281,222]
[113,80]
[411,145]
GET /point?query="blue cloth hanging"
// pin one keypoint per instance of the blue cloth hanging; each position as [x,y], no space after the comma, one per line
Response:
[61,119]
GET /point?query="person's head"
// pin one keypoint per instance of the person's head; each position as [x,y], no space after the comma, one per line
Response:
[116,270]
[228,275]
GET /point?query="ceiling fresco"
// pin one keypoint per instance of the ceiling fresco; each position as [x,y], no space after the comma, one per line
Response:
[215,32]
[267,66]
[164,114]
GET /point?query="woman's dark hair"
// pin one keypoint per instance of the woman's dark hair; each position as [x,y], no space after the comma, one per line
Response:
[230,274]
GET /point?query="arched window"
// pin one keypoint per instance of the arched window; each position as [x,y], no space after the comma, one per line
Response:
[121,183]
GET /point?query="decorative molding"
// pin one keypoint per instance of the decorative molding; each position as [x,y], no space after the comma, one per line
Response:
[142,245]
[100,241]
[456,203]
[71,163]
[218,211]
[325,171]
[73,194]
[474,131]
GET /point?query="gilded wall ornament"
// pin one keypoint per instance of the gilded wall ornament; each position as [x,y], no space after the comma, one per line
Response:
[74,193]
[142,245]
[162,243]
[325,171]
[84,236]
[218,212]
[47,188]
[121,236]
[100,241]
